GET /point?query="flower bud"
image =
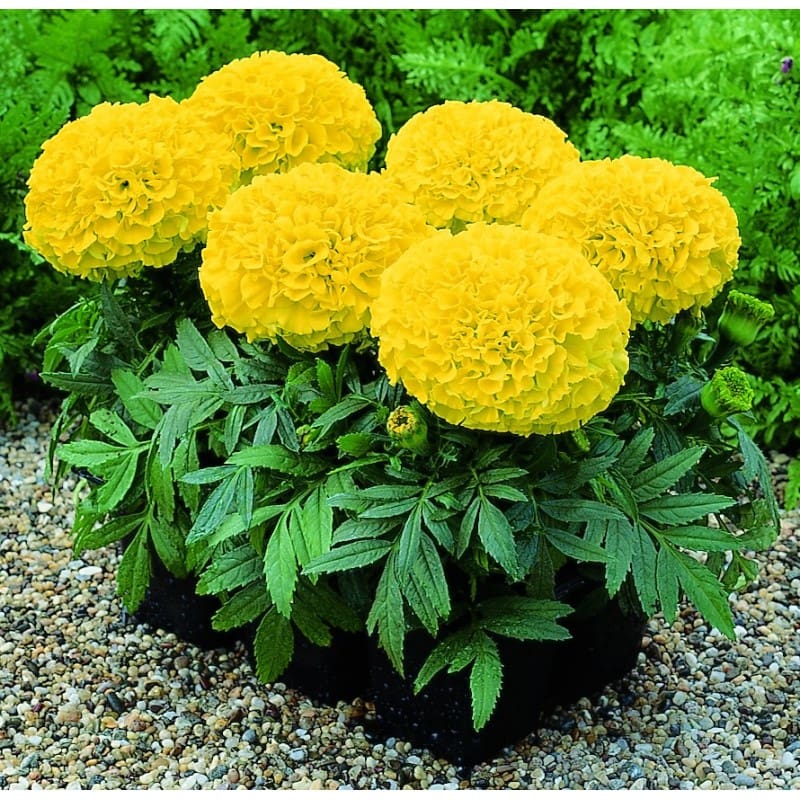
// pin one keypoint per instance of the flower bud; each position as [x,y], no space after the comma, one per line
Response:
[743,317]
[408,428]
[728,392]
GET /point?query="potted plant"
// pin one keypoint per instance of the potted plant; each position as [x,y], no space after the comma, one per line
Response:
[447,415]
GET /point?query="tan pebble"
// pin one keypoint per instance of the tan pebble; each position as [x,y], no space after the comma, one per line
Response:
[419,772]
[68,714]
[232,776]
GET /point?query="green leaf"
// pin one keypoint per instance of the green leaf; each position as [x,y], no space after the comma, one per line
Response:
[676,509]
[162,489]
[273,646]
[497,537]
[395,509]
[634,453]
[644,569]
[505,493]
[198,354]
[111,424]
[231,570]
[279,458]
[502,475]
[233,428]
[525,618]
[209,474]
[242,606]
[355,444]
[682,394]
[667,584]
[429,573]
[576,547]
[419,601]
[115,529]
[756,468]
[344,408]
[349,556]
[325,380]
[579,510]
[703,538]
[352,529]
[328,605]
[115,319]
[118,482]
[659,477]
[705,592]
[280,568]
[485,680]
[311,625]
[133,572]
[442,656]
[250,394]
[92,454]
[315,520]
[619,553]
[216,507]
[437,526]
[467,526]
[129,388]
[170,546]
[408,543]
[387,615]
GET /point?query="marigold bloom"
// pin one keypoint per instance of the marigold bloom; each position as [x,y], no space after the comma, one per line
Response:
[501,329]
[661,234]
[299,256]
[477,161]
[279,110]
[125,187]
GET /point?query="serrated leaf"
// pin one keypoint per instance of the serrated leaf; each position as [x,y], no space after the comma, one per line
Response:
[280,568]
[316,525]
[575,547]
[278,458]
[241,607]
[91,454]
[393,509]
[129,388]
[355,444]
[663,475]
[634,453]
[756,467]
[349,556]
[675,509]
[485,680]
[162,488]
[115,529]
[502,492]
[328,605]
[497,537]
[133,572]
[502,475]
[428,570]
[442,656]
[682,394]
[197,353]
[667,584]
[346,407]
[579,510]
[352,529]
[466,527]
[273,646]
[170,546]
[311,625]
[644,569]
[216,507]
[325,380]
[705,592]
[439,528]
[112,426]
[419,601]
[387,615]
[250,394]
[231,570]
[233,428]
[118,482]
[408,543]
[702,538]
[525,618]
[619,550]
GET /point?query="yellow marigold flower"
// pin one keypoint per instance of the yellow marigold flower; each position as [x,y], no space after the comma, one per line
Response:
[661,234]
[279,110]
[498,328]
[299,256]
[125,187]
[477,161]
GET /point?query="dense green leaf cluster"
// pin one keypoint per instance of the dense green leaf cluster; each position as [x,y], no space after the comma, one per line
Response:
[271,475]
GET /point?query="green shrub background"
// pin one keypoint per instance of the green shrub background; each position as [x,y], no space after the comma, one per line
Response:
[703,88]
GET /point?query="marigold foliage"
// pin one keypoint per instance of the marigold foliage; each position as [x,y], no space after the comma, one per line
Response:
[501,329]
[127,186]
[300,255]
[662,235]
[280,110]
[476,162]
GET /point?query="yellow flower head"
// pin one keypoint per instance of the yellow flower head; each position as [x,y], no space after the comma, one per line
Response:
[300,255]
[661,234]
[477,161]
[501,329]
[279,110]
[125,187]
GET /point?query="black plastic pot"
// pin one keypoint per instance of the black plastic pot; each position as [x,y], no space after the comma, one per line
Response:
[537,677]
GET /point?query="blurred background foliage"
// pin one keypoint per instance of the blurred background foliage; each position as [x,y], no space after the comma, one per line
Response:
[712,89]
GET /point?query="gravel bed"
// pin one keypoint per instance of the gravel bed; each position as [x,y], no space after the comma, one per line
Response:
[88,700]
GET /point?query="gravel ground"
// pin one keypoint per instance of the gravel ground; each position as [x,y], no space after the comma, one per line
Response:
[89,701]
